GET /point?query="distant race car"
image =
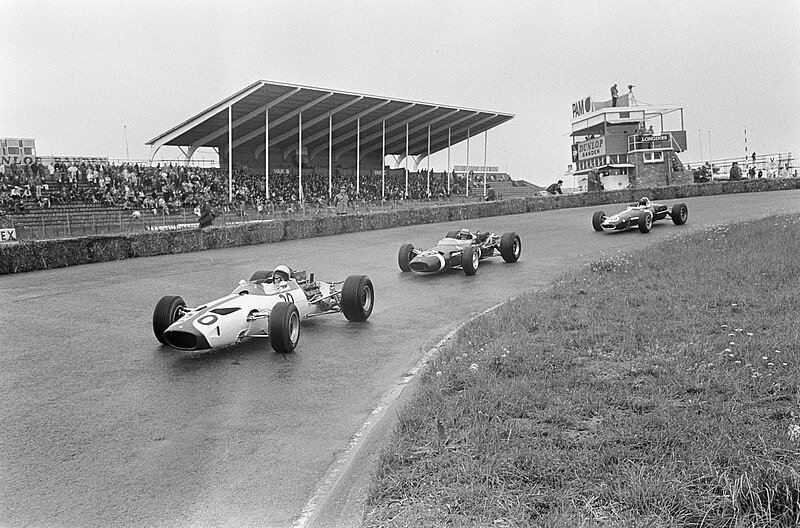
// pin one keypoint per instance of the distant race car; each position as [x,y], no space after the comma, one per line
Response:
[641,214]
[462,249]
[271,304]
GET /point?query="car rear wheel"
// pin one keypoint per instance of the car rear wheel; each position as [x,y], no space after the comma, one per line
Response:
[597,220]
[404,256]
[358,298]
[284,327]
[679,214]
[510,247]
[470,259]
[168,310]
[260,275]
[646,222]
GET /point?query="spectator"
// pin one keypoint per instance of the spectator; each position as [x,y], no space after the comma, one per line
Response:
[341,201]
[593,182]
[555,188]
[207,215]
[735,172]
[614,95]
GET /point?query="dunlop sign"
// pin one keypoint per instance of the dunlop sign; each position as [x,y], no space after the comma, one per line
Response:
[8,235]
[591,148]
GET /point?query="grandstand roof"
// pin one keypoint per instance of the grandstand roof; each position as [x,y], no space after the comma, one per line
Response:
[286,102]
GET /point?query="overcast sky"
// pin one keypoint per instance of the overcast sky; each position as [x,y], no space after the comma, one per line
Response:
[82,76]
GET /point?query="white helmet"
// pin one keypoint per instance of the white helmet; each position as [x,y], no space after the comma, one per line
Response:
[281,273]
[644,202]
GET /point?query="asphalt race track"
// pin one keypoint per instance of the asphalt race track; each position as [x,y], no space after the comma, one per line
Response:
[102,426]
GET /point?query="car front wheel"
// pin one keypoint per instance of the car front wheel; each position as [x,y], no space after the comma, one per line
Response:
[597,220]
[404,257]
[470,259]
[510,247]
[358,298]
[168,310]
[284,327]
[679,214]
[646,222]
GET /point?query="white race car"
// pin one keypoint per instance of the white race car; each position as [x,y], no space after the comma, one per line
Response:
[270,304]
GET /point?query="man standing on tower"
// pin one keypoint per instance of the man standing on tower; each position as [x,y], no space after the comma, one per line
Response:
[614,95]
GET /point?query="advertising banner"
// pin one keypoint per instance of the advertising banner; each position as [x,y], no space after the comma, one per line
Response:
[8,235]
[591,148]
[46,160]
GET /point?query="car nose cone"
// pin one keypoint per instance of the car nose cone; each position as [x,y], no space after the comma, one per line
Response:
[185,337]
[427,263]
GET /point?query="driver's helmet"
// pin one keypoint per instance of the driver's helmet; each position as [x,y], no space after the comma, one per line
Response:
[281,273]
[644,202]
[464,234]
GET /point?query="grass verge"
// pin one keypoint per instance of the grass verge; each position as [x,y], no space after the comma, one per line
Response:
[650,389]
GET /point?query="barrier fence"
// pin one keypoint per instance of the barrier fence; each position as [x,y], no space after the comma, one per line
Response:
[65,222]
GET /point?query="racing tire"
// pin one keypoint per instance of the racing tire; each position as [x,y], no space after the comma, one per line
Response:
[470,259]
[284,327]
[597,220]
[404,256]
[358,298]
[451,234]
[260,275]
[510,247]
[679,214]
[646,222]
[167,311]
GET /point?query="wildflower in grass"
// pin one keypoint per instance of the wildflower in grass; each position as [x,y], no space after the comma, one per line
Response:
[727,350]
[794,432]
[474,367]
[749,333]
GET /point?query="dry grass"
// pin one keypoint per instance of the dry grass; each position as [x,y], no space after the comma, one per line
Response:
[654,389]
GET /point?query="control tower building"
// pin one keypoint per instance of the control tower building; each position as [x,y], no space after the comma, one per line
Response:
[628,145]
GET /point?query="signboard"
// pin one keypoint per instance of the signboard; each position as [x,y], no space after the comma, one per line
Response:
[591,148]
[46,160]
[8,235]
[581,107]
[474,168]
[652,137]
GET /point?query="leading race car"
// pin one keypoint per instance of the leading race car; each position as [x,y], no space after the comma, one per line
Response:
[463,249]
[269,305]
[641,214]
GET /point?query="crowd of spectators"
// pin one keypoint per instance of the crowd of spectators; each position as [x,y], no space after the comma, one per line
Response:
[163,189]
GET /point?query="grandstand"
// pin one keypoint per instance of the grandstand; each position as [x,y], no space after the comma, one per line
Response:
[270,126]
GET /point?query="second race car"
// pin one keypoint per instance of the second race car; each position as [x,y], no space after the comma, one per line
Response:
[460,249]
[641,215]
[270,305]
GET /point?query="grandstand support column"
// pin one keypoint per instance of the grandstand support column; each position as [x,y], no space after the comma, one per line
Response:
[406,195]
[449,129]
[485,145]
[300,156]
[266,153]
[383,163]
[358,155]
[467,171]
[230,154]
[330,157]
[429,161]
